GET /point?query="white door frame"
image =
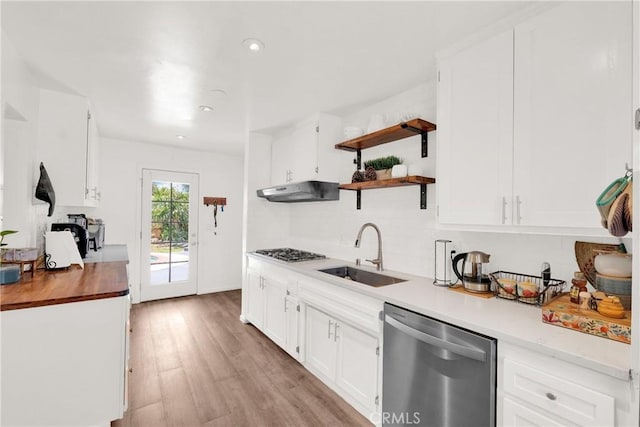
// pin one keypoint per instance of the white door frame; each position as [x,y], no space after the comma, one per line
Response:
[175,288]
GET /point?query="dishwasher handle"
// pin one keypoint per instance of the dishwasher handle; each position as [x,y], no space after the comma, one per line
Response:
[469,352]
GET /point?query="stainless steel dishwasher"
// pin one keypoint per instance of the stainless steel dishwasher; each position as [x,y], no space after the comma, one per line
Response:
[436,374]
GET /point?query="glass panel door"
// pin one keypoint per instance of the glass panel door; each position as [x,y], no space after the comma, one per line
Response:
[169,221]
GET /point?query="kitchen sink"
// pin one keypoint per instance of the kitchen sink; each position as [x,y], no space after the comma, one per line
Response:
[362,276]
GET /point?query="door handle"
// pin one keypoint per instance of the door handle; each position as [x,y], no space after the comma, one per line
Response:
[335,332]
[518,203]
[504,210]
[329,331]
[469,352]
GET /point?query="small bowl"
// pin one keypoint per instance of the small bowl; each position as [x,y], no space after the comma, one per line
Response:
[528,289]
[507,286]
[613,264]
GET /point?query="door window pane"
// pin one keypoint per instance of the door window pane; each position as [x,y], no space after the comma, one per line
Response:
[169,232]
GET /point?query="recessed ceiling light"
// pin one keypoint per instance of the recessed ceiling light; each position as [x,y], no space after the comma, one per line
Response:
[205,108]
[254,45]
[180,136]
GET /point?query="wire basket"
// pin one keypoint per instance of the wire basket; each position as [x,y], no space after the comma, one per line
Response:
[525,288]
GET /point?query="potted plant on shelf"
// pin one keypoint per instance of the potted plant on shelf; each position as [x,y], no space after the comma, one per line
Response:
[382,167]
[2,234]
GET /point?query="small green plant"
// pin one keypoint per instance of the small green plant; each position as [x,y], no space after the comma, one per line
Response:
[5,233]
[383,163]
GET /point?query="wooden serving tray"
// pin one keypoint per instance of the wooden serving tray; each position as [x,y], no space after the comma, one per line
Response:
[562,312]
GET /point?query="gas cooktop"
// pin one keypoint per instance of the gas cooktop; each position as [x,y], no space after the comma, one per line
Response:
[290,255]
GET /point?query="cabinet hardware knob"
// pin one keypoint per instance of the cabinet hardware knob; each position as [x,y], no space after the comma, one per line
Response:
[551,396]
[131,370]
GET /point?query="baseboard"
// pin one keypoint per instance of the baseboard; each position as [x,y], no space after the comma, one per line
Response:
[220,289]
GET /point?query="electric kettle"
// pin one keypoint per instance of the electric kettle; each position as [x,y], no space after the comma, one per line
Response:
[475,280]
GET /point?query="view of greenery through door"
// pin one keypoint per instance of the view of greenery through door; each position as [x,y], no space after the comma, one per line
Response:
[169,257]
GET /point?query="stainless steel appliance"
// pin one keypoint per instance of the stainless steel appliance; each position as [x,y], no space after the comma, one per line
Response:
[290,255]
[436,374]
[307,191]
[475,280]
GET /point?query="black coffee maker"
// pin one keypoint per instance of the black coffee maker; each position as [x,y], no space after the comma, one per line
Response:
[78,229]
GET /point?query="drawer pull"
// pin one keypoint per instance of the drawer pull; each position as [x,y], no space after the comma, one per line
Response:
[551,396]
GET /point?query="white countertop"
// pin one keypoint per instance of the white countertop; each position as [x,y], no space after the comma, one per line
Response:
[108,253]
[505,320]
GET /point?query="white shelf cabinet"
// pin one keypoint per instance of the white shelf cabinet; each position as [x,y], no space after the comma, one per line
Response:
[67,360]
[68,144]
[539,116]
[475,133]
[305,151]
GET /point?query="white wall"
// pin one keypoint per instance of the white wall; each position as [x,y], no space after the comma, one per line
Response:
[408,232]
[19,136]
[267,223]
[219,256]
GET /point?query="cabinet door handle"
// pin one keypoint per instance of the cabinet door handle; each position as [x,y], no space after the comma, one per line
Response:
[518,203]
[329,331]
[285,304]
[551,396]
[335,332]
[504,210]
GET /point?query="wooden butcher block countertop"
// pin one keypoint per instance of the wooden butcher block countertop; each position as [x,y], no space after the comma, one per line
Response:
[97,280]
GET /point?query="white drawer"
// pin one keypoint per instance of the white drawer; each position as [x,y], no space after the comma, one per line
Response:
[557,395]
[517,415]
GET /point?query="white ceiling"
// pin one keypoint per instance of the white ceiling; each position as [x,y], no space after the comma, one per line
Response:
[147,66]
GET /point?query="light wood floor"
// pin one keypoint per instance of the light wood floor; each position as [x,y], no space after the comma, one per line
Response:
[195,364]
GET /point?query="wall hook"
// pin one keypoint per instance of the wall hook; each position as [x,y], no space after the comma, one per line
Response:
[215,201]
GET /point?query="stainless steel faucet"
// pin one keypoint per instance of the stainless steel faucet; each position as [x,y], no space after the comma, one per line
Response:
[378,261]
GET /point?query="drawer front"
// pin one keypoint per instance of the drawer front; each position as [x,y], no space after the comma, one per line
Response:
[558,396]
[517,415]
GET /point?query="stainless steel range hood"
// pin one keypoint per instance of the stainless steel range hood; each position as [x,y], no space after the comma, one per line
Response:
[306,191]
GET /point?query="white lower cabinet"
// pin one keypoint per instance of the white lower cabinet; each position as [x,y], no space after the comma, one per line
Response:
[272,306]
[67,360]
[344,357]
[255,297]
[357,364]
[292,342]
[320,346]
[537,390]
[275,320]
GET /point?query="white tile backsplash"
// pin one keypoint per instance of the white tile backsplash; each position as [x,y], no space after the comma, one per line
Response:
[408,232]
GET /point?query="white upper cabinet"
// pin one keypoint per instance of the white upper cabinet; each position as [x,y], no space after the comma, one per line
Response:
[68,144]
[572,112]
[475,133]
[535,122]
[306,151]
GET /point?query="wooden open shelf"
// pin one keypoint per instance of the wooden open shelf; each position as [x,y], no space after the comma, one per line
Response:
[388,183]
[422,181]
[390,134]
[383,136]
